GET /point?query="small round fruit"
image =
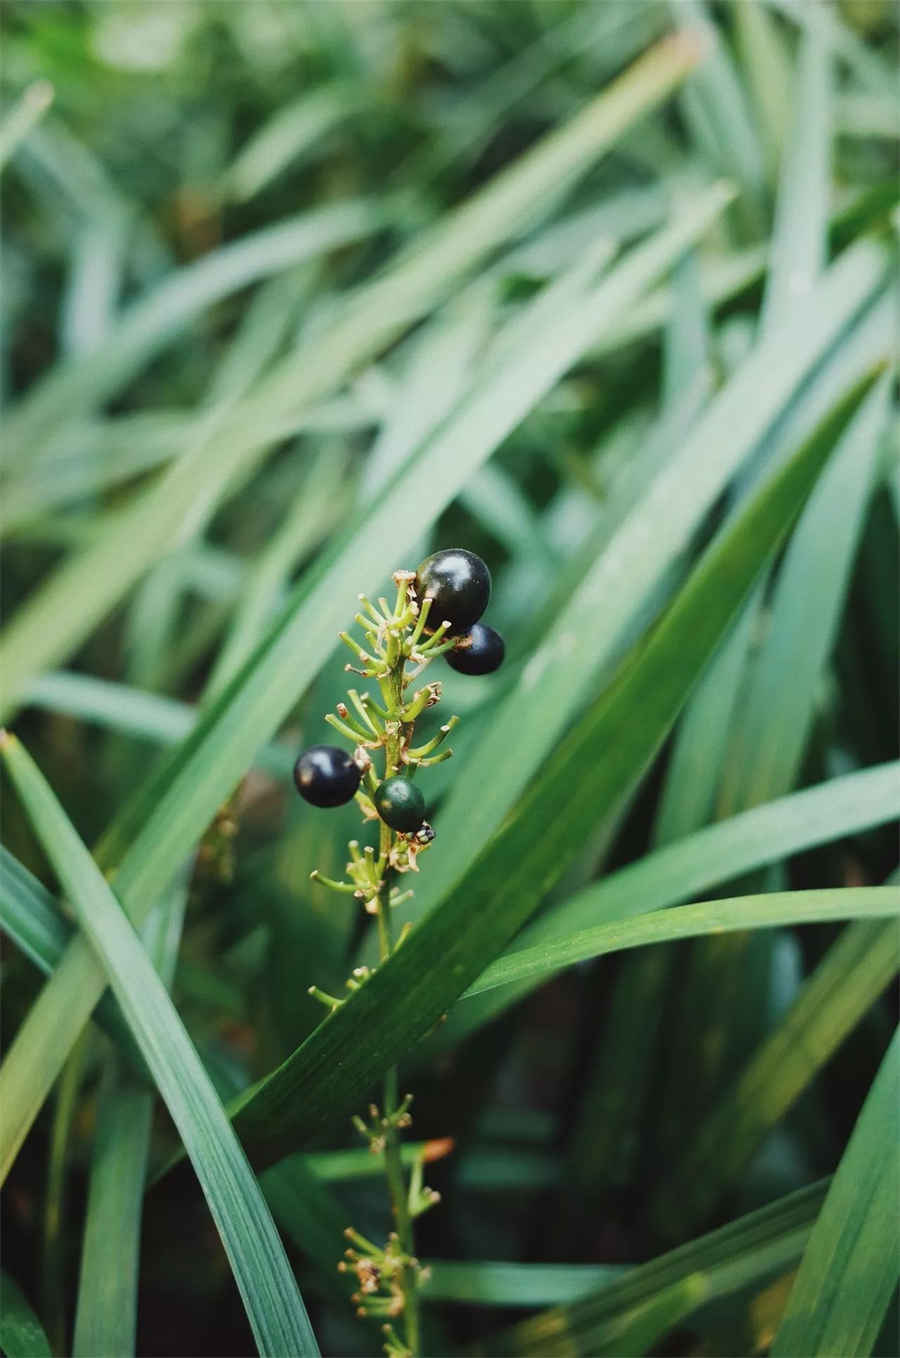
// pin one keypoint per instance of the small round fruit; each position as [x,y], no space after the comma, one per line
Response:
[484,654]
[400,804]
[459,584]
[326,776]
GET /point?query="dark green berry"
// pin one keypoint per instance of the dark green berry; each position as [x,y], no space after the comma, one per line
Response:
[459,586]
[326,776]
[482,655]
[400,804]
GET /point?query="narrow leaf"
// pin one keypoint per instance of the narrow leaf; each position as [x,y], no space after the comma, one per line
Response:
[21,1333]
[851,1264]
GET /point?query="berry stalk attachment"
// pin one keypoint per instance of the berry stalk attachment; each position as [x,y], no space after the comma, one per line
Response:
[436,612]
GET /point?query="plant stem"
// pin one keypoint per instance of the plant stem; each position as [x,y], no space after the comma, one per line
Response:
[393,1162]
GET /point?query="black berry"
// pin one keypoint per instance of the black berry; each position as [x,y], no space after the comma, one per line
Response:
[483,655]
[400,804]
[459,584]
[326,776]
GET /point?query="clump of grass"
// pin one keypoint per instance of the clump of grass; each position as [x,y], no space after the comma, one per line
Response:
[603,292]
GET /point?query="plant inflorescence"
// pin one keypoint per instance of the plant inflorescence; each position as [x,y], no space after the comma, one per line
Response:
[435,613]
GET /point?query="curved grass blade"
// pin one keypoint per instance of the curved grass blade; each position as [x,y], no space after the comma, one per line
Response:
[273,1304]
[134,711]
[851,1263]
[610,749]
[692,921]
[177,802]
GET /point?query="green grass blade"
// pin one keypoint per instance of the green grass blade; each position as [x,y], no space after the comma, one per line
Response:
[850,1265]
[292,130]
[716,97]
[21,118]
[133,711]
[801,212]
[562,672]
[771,731]
[765,59]
[105,1318]
[745,1252]
[692,921]
[610,748]
[178,802]
[766,834]
[274,1305]
[106,1311]
[33,919]
[488,1282]
[848,980]
[21,1333]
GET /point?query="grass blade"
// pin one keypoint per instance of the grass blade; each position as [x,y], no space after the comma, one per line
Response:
[34,920]
[133,711]
[21,1333]
[691,921]
[266,1283]
[21,118]
[487,1282]
[770,734]
[850,1266]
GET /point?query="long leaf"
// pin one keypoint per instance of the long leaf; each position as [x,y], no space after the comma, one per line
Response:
[852,1261]
[274,1305]
[488,1282]
[692,921]
[21,1333]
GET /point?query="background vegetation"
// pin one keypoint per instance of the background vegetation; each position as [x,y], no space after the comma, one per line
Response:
[292,294]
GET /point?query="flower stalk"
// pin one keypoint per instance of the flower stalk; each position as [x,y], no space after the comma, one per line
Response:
[400,642]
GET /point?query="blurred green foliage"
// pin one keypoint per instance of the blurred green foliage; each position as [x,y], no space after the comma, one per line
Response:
[244,314]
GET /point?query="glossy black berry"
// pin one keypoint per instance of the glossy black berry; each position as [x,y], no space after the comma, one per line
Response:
[483,655]
[400,804]
[326,776]
[459,584]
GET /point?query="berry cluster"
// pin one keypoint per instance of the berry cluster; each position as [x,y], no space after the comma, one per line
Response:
[452,586]
[436,612]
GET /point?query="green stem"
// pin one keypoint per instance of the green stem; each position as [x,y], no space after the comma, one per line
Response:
[393,1162]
